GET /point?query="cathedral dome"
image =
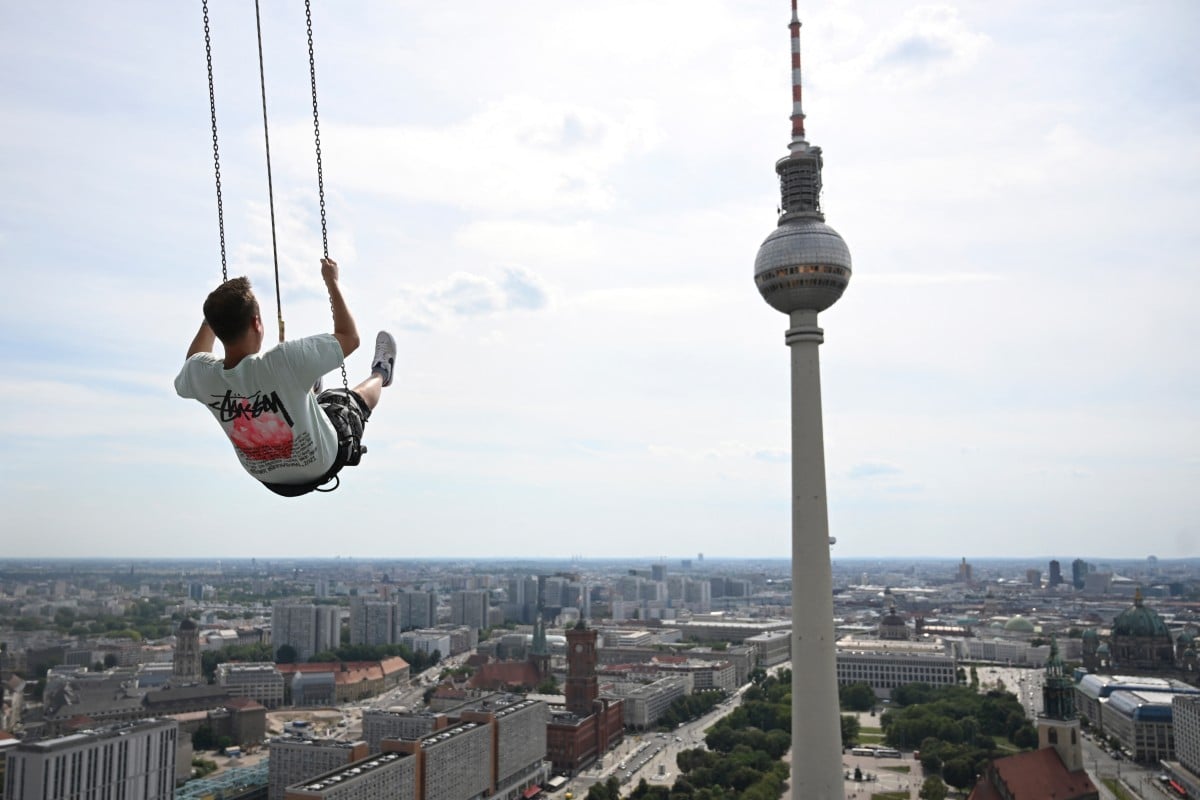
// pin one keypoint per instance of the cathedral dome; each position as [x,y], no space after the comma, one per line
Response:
[1090,634]
[1018,624]
[1137,620]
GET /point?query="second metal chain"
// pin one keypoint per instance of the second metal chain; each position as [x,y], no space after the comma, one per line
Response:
[262,83]
[312,74]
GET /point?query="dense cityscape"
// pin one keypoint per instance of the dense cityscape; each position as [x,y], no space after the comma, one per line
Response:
[302,679]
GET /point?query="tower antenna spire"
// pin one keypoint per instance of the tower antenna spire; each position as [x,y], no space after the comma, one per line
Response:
[798,141]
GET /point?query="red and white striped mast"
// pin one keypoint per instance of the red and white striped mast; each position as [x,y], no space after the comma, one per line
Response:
[798,142]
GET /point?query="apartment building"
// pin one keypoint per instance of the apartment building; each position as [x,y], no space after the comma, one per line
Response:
[644,703]
[134,761]
[772,647]
[372,622]
[469,608]
[308,629]
[885,665]
[387,776]
[294,759]
[258,680]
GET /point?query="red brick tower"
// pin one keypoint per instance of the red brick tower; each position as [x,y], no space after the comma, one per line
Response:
[582,688]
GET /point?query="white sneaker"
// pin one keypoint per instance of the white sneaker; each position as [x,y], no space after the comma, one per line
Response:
[385,357]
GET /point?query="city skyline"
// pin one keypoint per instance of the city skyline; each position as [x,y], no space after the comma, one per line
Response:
[987,568]
[560,228]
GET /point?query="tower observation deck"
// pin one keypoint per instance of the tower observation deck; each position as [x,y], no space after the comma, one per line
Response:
[804,264]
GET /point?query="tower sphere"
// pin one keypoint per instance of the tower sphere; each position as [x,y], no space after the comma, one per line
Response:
[804,265]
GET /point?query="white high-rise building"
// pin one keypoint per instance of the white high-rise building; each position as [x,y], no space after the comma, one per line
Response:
[307,628]
[469,608]
[135,761]
[698,596]
[801,269]
[414,609]
[372,622]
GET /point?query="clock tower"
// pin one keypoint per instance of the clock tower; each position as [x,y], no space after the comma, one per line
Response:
[582,687]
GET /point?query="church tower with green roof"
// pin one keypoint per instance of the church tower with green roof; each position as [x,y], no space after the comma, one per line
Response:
[1058,724]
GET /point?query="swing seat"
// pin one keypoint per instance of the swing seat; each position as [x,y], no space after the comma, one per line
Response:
[348,456]
[299,489]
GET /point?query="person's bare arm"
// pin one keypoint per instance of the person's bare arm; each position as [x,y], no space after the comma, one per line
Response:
[344,329]
[203,342]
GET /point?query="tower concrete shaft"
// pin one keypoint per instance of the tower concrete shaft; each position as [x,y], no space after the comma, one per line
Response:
[816,724]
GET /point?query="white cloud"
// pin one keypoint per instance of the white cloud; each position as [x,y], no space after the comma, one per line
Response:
[927,43]
[532,241]
[517,154]
[463,295]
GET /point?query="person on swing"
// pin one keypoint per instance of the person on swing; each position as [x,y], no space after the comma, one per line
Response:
[285,435]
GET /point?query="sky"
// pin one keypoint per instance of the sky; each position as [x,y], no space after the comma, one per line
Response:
[555,207]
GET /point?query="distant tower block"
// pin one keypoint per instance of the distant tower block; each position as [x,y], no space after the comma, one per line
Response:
[802,269]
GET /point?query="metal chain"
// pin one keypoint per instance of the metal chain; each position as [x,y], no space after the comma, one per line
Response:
[212,107]
[262,83]
[312,74]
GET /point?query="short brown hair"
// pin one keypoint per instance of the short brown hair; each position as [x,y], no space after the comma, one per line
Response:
[230,309]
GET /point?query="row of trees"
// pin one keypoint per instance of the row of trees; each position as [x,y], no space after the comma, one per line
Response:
[689,707]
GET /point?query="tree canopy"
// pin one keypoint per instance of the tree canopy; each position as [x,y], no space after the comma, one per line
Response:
[955,728]
[856,697]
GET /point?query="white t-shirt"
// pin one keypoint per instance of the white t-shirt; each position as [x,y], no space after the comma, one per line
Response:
[266,406]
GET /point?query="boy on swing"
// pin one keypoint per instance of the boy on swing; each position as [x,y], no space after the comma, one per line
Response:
[285,436]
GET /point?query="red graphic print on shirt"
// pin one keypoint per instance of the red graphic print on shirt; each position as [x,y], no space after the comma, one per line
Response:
[262,427]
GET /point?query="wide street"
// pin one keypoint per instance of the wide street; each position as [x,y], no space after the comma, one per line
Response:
[650,755]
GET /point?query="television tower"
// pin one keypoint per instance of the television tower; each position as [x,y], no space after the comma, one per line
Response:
[801,269]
